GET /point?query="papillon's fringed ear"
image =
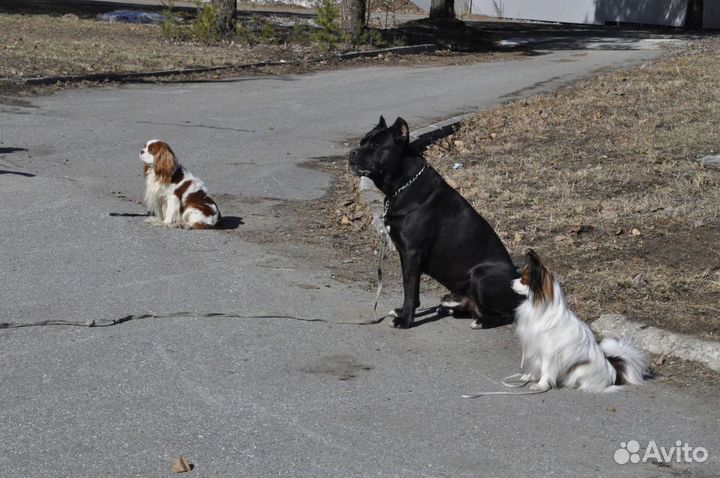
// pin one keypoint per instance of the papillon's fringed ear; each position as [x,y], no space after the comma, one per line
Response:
[381,123]
[401,131]
[532,257]
[165,162]
[540,280]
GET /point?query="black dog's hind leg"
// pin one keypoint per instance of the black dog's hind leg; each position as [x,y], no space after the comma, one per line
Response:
[492,296]
[410,263]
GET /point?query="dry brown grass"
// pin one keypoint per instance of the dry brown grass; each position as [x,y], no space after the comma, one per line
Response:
[42,45]
[602,179]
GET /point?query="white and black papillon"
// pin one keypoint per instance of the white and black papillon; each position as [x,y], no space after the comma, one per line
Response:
[559,349]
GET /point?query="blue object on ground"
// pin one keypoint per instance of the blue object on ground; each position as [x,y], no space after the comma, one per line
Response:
[131,16]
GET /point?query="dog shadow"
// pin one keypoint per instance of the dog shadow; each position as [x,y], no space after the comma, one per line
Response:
[230,223]
[8,150]
[431,314]
[18,173]
[127,214]
[442,312]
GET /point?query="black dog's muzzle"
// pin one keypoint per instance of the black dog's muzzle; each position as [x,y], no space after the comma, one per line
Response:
[353,157]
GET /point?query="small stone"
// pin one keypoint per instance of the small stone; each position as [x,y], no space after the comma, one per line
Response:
[635,232]
[180,465]
[345,221]
[580,229]
[612,409]
[639,280]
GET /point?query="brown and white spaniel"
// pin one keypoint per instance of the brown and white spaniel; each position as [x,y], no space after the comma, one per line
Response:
[178,198]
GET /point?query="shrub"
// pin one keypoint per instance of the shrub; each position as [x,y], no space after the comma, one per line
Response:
[171,28]
[328,19]
[204,27]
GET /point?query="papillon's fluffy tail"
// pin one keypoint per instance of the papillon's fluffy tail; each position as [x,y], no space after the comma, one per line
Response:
[630,362]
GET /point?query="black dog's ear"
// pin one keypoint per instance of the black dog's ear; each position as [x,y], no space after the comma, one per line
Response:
[382,123]
[401,131]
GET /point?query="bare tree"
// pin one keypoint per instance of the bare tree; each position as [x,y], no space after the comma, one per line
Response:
[226,16]
[442,9]
[352,17]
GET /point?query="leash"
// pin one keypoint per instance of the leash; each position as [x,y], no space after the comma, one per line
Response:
[381,257]
[511,381]
[128,318]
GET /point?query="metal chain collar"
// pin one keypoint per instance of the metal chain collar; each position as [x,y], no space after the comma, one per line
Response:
[401,189]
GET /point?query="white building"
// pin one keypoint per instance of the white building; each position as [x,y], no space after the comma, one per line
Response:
[671,13]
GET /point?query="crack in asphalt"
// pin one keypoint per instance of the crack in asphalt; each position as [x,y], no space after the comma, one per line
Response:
[186,125]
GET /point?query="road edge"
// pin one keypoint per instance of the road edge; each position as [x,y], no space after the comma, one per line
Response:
[144,75]
[660,341]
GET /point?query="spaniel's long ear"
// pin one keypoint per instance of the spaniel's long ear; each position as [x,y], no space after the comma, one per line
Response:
[165,162]
[540,279]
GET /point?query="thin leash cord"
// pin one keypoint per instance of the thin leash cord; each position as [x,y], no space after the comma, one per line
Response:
[381,257]
[511,381]
[127,318]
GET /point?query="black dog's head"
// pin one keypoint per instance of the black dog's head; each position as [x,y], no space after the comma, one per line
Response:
[381,152]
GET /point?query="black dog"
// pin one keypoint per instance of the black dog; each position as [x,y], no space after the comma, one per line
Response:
[436,231]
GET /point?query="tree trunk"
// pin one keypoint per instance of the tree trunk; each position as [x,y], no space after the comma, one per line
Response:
[694,17]
[226,15]
[442,9]
[352,17]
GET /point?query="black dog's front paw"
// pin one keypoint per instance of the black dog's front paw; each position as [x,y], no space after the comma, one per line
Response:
[398,320]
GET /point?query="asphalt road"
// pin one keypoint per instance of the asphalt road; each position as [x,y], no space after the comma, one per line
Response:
[263,396]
